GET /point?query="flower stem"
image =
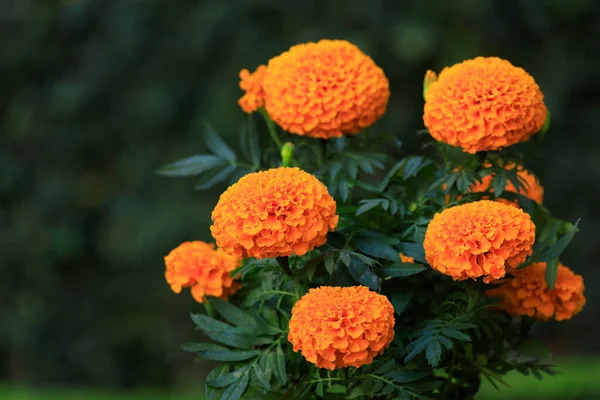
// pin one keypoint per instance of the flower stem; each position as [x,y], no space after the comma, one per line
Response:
[272,128]
[284,263]
[210,311]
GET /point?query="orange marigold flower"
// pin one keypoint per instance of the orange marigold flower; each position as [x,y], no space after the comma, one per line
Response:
[252,84]
[406,259]
[484,104]
[532,188]
[527,293]
[199,266]
[336,327]
[484,238]
[324,89]
[273,213]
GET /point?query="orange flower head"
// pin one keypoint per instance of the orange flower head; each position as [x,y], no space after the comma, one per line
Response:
[406,259]
[336,327]
[532,188]
[325,89]
[199,266]
[251,83]
[484,104]
[484,238]
[273,213]
[527,293]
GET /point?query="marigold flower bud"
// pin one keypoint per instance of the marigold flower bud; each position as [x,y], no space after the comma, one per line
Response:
[203,268]
[484,104]
[325,89]
[336,327]
[279,212]
[528,293]
[483,238]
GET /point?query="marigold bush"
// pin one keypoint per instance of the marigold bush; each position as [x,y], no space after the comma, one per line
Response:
[337,327]
[203,268]
[325,89]
[351,254]
[484,104]
[527,293]
[275,213]
[483,238]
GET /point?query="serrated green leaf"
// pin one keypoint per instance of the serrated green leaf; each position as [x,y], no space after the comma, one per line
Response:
[260,378]
[336,388]
[385,368]
[554,251]
[223,333]
[434,353]
[375,248]
[251,142]
[455,334]
[194,165]
[213,393]
[334,169]
[387,389]
[237,389]
[217,145]
[276,361]
[228,379]
[329,264]
[211,351]
[406,375]
[212,178]
[319,389]
[352,168]
[235,315]
[366,205]
[363,274]
[416,346]
[551,272]
[344,188]
[413,165]
[401,299]
[358,391]
[401,269]
[499,182]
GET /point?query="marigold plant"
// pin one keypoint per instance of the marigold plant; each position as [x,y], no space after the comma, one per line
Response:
[527,293]
[484,104]
[203,268]
[325,89]
[366,273]
[337,327]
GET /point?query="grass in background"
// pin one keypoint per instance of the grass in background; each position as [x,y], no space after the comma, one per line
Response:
[580,380]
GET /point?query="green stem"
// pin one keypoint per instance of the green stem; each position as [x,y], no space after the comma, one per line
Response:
[210,311]
[272,128]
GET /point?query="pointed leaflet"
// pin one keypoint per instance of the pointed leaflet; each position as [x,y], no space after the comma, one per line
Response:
[403,269]
[211,178]
[228,379]
[251,142]
[559,246]
[234,315]
[211,351]
[551,271]
[414,250]
[237,389]
[217,145]
[376,248]
[400,299]
[223,333]
[194,165]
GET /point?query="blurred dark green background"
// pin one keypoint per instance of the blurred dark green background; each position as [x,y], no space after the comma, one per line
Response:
[96,94]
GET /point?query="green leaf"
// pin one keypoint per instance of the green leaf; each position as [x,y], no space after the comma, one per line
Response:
[554,251]
[401,269]
[352,168]
[344,188]
[237,389]
[228,379]
[329,264]
[405,375]
[319,389]
[223,333]
[363,274]
[416,346]
[375,248]
[336,388]
[413,165]
[235,315]
[414,250]
[211,351]
[260,378]
[367,205]
[499,182]
[334,169]
[251,143]
[551,271]
[213,393]
[217,145]
[434,353]
[542,132]
[400,299]
[210,179]
[194,165]
[534,348]
[276,361]
[455,334]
